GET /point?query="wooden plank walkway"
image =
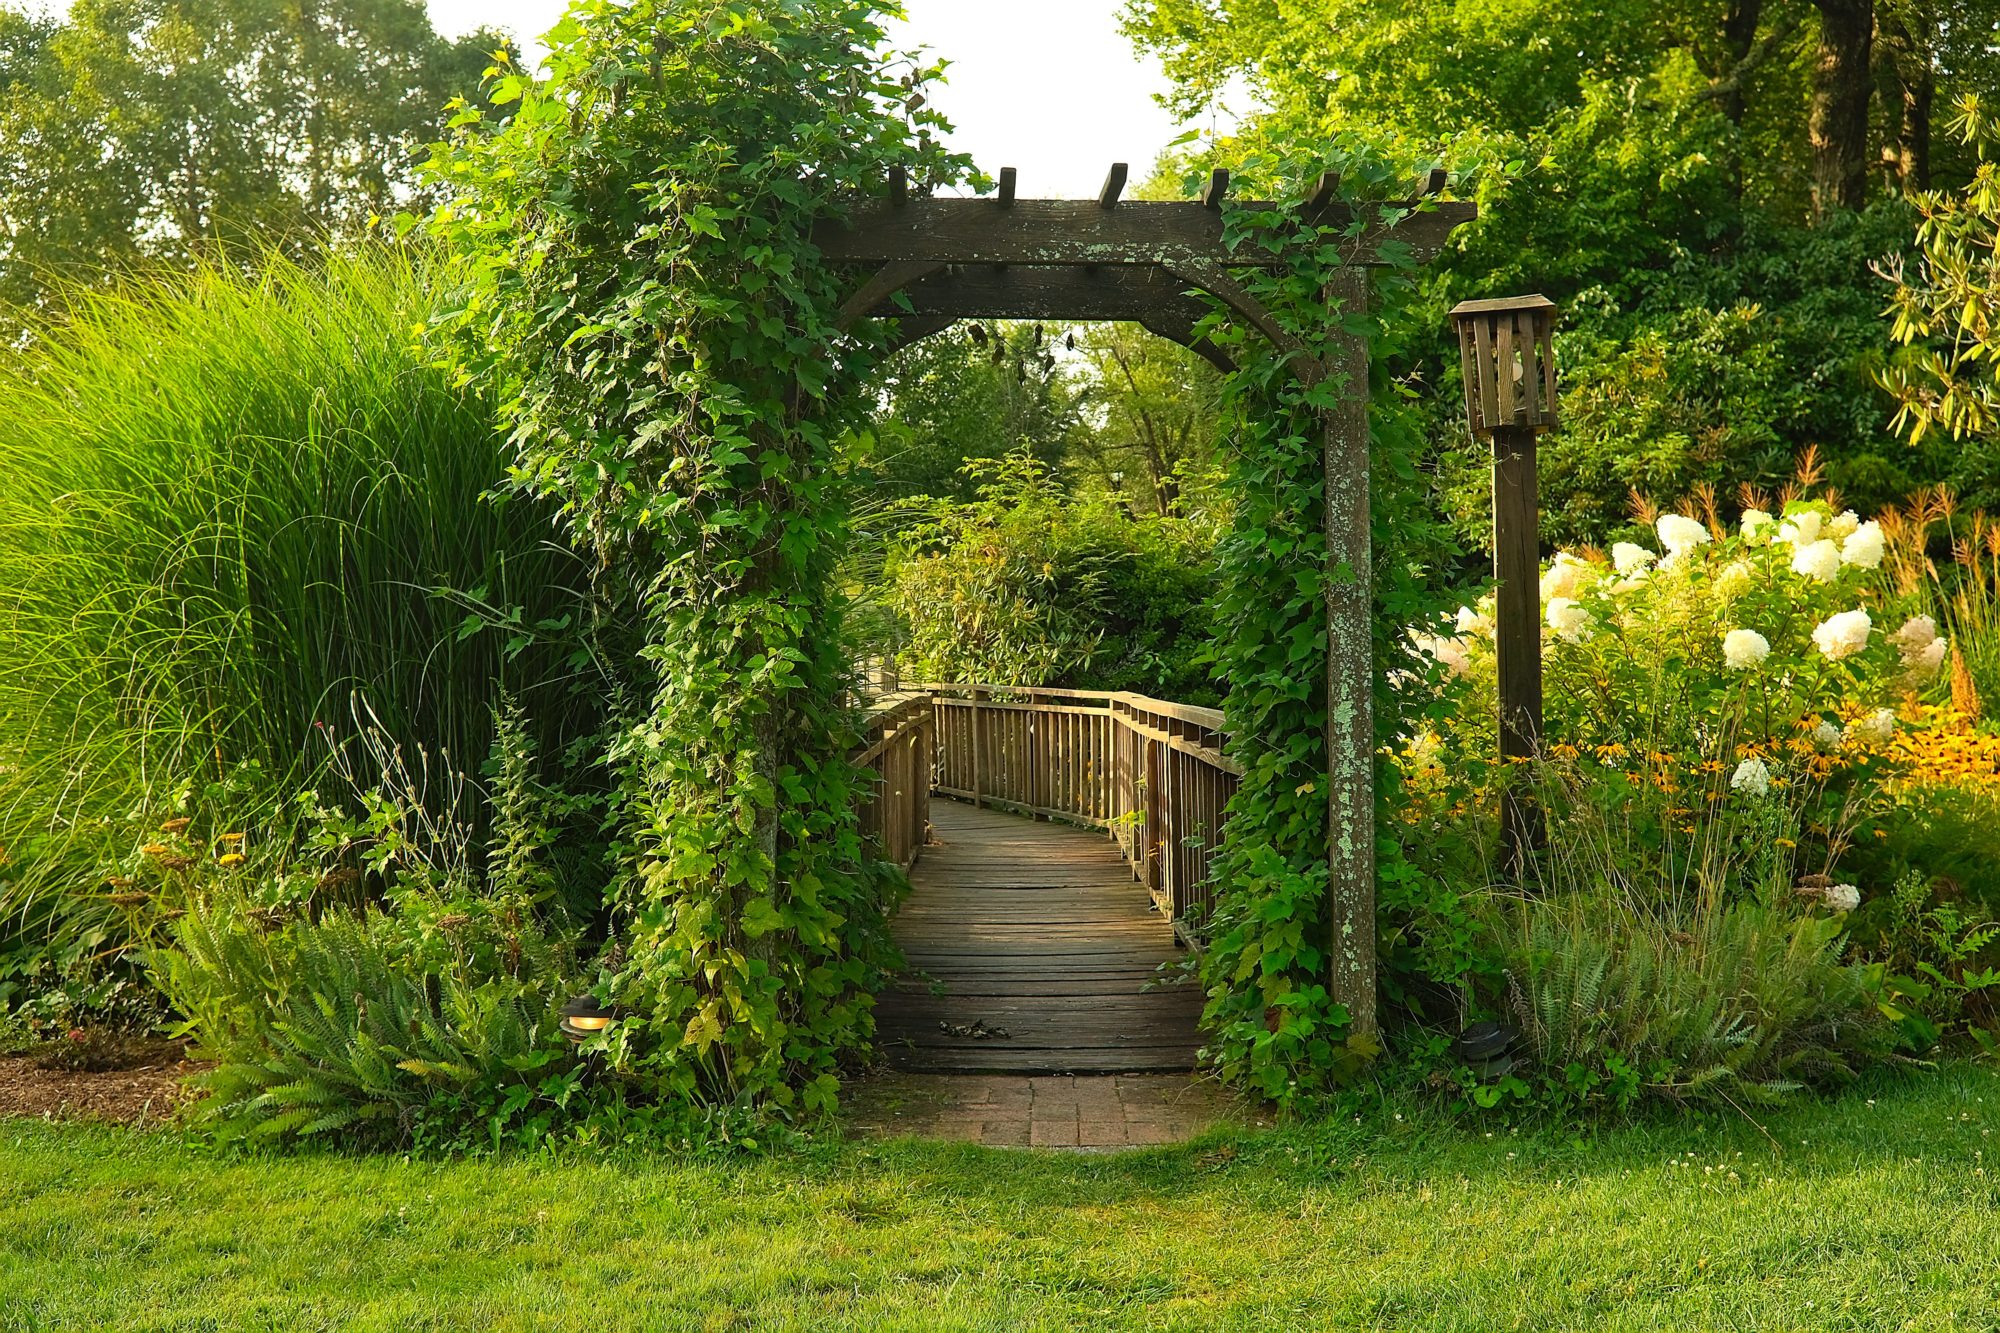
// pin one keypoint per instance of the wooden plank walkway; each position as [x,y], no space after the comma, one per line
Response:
[1037,931]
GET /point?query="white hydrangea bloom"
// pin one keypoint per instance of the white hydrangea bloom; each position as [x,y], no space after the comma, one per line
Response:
[1916,634]
[1826,736]
[1629,557]
[1926,661]
[1842,897]
[1863,547]
[1751,776]
[1802,528]
[1756,525]
[1843,635]
[1680,533]
[1473,622]
[1844,525]
[1569,620]
[1743,649]
[1564,573]
[1818,560]
[1734,580]
[1878,728]
[1449,653]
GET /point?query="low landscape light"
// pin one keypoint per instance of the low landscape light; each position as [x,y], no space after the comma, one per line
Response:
[584,1017]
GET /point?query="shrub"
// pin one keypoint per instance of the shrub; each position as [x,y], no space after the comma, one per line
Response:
[237,507]
[1030,585]
[1725,721]
[354,1023]
[406,998]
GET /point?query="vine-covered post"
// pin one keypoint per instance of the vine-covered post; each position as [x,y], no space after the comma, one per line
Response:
[1507,351]
[1350,664]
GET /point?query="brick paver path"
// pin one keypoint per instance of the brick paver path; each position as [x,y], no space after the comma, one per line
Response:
[1072,1111]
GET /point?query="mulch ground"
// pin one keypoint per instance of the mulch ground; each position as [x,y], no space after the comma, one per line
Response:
[149,1093]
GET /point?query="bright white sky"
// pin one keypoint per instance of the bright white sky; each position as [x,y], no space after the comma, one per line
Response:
[1046,86]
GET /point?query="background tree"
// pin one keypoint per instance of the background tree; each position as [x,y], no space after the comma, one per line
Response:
[974,392]
[1703,187]
[168,129]
[1156,411]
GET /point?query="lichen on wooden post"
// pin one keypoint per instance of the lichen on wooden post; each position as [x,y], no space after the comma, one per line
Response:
[1350,668]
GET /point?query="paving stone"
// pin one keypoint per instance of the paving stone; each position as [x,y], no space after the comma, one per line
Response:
[1052,1133]
[1099,1112]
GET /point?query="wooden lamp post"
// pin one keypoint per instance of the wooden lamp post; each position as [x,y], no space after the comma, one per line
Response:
[1508,350]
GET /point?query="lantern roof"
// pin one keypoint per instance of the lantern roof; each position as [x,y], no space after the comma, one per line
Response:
[1500,304]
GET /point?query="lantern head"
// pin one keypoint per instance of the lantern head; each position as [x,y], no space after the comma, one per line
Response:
[583,1018]
[1508,350]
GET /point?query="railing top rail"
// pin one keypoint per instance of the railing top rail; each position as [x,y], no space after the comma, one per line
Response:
[1210,718]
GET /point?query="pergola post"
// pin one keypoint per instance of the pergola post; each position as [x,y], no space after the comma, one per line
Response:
[1350,669]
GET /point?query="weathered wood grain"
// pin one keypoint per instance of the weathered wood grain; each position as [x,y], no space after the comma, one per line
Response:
[1064,231]
[1037,930]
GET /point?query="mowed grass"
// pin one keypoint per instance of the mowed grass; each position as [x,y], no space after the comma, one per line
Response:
[1876,1211]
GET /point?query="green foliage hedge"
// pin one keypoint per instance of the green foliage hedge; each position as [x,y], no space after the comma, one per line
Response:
[641,289]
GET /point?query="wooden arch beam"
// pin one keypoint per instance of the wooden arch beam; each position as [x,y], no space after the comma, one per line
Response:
[1151,298]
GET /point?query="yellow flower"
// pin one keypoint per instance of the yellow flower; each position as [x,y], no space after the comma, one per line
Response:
[176,825]
[230,859]
[154,849]
[229,837]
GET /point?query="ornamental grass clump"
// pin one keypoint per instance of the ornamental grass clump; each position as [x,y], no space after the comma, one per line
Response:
[234,505]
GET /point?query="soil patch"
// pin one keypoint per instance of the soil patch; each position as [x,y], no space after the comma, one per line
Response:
[148,1093]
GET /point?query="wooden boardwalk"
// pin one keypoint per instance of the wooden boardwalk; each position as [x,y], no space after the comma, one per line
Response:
[1029,948]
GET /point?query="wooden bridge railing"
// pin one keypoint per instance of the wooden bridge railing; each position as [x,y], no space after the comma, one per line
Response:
[1151,773]
[898,743]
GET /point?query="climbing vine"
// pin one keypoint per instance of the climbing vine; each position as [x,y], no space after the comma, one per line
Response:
[1273,1023]
[641,282]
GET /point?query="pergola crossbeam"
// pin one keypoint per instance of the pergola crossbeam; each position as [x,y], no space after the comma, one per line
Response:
[1083,231]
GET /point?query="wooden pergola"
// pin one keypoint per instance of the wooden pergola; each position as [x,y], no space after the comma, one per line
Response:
[932,262]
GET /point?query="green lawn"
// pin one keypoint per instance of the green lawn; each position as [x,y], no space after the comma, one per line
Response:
[1875,1215]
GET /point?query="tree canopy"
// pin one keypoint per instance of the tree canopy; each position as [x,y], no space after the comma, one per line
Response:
[162,130]
[1705,188]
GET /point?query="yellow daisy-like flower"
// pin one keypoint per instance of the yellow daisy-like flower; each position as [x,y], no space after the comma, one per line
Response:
[176,825]
[230,859]
[231,838]
[155,849]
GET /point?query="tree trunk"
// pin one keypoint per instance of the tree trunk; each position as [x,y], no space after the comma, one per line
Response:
[1842,84]
[1906,51]
[1739,37]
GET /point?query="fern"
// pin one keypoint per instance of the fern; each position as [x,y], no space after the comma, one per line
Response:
[339,1025]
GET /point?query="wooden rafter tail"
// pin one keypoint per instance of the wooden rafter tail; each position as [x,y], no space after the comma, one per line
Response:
[1218,188]
[1008,177]
[899,185]
[1433,182]
[1114,185]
